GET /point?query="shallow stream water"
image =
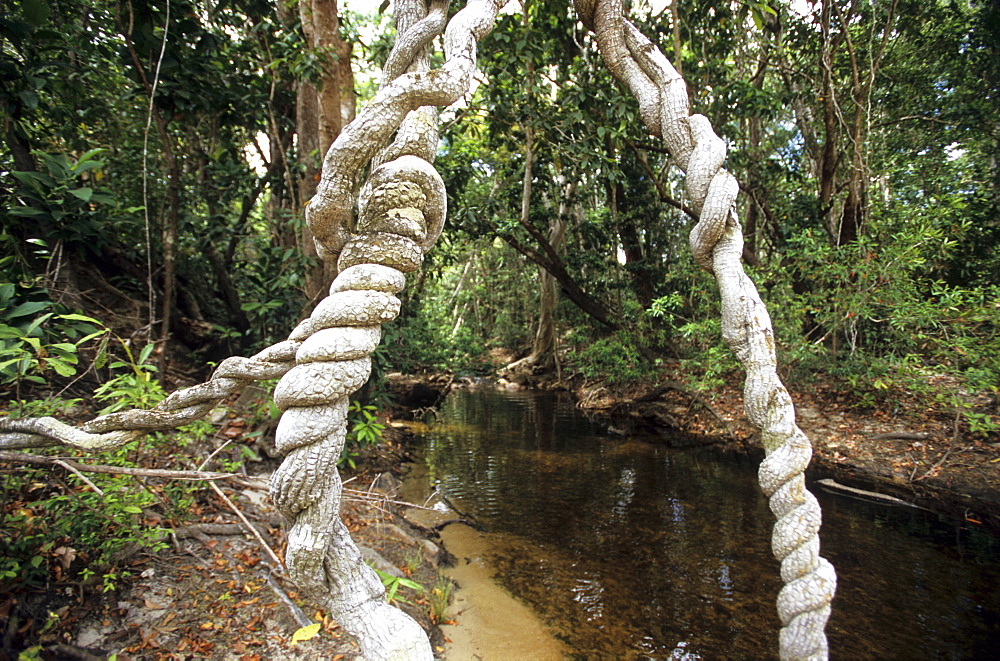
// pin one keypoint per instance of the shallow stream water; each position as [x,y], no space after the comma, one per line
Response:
[628,548]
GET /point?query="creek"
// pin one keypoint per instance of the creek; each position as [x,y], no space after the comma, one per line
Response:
[631,547]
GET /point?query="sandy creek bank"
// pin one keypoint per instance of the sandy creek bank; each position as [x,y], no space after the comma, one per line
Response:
[488,623]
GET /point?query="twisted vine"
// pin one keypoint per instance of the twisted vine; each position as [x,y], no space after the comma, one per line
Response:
[717,245]
[180,408]
[402,209]
[401,213]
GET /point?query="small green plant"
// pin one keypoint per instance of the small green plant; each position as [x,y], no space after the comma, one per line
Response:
[440,597]
[39,408]
[31,654]
[136,388]
[413,561]
[365,430]
[394,583]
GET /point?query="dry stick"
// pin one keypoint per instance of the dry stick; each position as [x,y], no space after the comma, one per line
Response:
[60,462]
[300,617]
[246,521]
[900,436]
[75,466]
[214,529]
[951,446]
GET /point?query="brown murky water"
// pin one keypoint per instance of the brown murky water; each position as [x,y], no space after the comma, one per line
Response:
[627,548]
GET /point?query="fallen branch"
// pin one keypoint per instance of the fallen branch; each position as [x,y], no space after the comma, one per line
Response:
[372,497]
[243,518]
[213,529]
[832,484]
[951,446]
[900,436]
[86,480]
[74,466]
[300,617]
[694,396]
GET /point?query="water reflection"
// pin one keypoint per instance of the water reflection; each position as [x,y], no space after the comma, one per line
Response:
[632,550]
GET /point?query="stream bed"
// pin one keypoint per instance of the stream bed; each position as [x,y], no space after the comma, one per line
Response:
[628,548]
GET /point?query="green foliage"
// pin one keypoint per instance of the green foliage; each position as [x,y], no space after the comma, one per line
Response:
[873,317]
[440,597]
[364,430]
[64,201]
[271,285]
[615,359]
[34,343]
[136,387]
[52,525]
[394,583]
[65,528]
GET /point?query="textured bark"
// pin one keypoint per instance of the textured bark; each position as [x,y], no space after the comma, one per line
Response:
[544,347]
[717,245]
[401,210]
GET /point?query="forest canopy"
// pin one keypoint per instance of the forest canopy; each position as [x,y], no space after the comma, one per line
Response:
[157,157]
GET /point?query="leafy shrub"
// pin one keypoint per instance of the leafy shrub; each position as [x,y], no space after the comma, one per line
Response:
[615,359]
[135,388]
[364,430]
[34,342]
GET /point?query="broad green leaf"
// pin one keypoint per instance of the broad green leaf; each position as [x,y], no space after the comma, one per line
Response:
[35,12]
[33,326]
[61,368]
[63,346]
[146,351]
[26,212]
[27,309]
[78,317]
[84,193]
[89,154]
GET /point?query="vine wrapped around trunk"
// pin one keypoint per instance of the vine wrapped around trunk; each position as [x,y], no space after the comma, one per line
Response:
[717,245]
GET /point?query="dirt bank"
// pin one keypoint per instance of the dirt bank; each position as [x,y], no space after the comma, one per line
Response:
[917,453]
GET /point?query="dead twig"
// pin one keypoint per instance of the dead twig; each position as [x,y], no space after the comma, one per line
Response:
[300,617]
[71,469]
[694,397]
[243,518]
[900,436]
[369,497]
[951,446]
[213,529]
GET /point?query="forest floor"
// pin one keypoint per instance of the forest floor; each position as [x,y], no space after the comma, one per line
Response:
[215,591]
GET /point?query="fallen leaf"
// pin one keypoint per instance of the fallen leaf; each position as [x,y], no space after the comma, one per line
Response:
[305,633]
[66,555]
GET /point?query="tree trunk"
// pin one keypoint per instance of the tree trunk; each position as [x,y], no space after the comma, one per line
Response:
[169,250]
[321,112]
[635,254]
